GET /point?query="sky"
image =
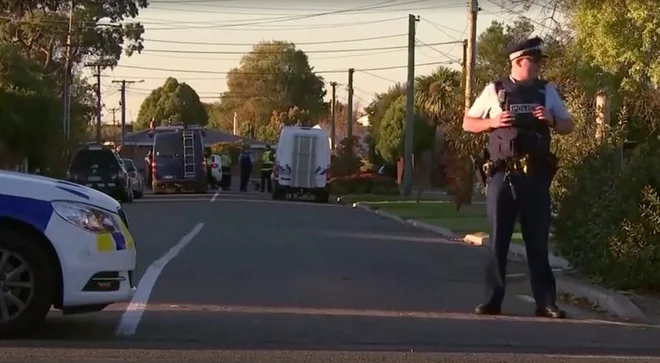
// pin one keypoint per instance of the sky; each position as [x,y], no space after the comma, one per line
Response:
[229,28]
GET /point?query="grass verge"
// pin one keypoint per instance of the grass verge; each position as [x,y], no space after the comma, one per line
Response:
[469,219]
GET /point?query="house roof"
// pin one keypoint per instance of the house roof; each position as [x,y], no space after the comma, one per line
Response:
[141,138]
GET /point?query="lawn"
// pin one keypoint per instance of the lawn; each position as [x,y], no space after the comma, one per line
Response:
[470,219]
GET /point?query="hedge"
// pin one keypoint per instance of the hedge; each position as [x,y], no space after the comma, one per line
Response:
[364,183]
[608,222]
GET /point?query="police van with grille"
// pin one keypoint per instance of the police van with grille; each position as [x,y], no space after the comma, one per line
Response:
[62,245]
[178,161]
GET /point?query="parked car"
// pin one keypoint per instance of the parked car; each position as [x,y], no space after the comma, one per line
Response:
[136,178]
[99,167]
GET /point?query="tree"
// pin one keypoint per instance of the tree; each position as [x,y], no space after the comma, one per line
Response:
[173,101]
[439,94]
[99,30]
[22,125]
[492,60]
[274,76]
[376,110]
[219,117]
[391,141]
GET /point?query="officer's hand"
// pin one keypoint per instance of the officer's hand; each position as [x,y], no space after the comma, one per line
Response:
[542,113]
[503,119]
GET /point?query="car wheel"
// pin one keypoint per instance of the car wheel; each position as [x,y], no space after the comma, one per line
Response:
[26,284]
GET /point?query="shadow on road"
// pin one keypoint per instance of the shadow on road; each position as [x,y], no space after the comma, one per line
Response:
[176,326]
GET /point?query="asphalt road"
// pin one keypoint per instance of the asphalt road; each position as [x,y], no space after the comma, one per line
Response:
[236,277]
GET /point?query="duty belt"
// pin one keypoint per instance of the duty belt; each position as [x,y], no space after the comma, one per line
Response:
[508,165]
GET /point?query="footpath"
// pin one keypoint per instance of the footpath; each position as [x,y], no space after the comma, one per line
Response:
[436,214]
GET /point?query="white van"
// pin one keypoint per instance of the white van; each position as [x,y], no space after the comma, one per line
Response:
[302,163]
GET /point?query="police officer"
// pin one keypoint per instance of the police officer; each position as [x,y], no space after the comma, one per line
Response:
[209,163]
[520,111]
[147,167]
[225,183]
[267,160]
[245,161]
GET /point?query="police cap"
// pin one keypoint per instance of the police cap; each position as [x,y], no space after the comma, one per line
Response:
[532,48]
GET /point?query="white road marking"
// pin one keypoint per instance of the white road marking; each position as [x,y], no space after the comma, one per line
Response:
[513,276]
[215,196]
[131,317]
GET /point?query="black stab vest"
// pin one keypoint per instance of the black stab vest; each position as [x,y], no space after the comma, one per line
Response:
[527,135]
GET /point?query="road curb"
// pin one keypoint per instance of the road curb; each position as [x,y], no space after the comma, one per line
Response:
[421,225]
[519,251]
[614,302]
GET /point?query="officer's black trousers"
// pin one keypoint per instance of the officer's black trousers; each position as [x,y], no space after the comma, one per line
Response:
[528,200]
[246,172]
[266,183]
[225,183]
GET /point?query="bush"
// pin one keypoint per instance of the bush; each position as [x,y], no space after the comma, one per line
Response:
[608,221]
[364,184]
[347,158]
[231,149]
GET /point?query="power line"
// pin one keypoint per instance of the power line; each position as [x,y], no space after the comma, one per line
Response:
[439,27]
[374,9]
[86,25]
[237,59]
[266,73]
[446,55]
[296,43]
[380,77]
[239,27]
[285,52]
[309,16]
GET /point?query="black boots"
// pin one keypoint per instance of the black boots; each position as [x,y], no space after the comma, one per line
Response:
[550,311]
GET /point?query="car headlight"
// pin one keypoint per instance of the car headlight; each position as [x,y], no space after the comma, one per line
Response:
[87,217]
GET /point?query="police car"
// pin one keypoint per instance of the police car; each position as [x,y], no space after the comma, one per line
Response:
[62,245]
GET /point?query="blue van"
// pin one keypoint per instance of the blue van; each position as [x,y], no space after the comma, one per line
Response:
[178,162]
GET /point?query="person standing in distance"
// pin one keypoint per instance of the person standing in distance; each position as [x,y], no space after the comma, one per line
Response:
[267,161]
[520,111]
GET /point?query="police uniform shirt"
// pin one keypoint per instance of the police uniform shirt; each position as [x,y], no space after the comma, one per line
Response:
[487,104]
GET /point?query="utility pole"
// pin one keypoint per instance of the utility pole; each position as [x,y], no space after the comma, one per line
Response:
[98,65]
[410,110]
[471,55]
[464,65]
[114,111]
[66,96]
[123,84]
[349,117]
[99,103]
[333,131]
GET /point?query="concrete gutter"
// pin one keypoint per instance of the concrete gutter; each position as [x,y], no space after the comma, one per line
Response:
[615,303]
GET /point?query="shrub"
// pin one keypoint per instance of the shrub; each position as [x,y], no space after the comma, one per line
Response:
[608,222]
[347,158]
[231,149]
[367,183]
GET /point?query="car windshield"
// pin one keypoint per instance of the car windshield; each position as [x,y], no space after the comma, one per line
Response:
[128,164]
[168,145]
[94,159]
